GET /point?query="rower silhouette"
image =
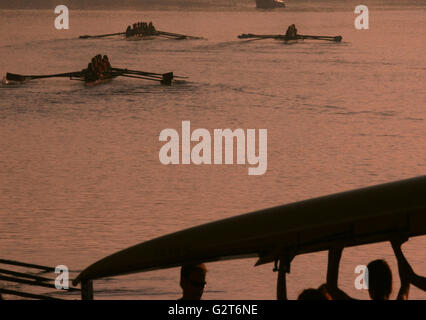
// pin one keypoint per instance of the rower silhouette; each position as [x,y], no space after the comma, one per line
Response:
[193,281]
[291,33]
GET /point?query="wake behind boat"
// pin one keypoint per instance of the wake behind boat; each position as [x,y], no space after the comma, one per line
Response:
[98,71]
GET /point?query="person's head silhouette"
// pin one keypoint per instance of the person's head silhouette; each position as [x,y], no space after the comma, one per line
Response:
[193,281]
[379,280]
[311,294]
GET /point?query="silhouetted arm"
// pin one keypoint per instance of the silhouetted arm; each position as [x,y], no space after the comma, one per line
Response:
[283,268]
[418,281]
[413,278]
[404,269]
[334,256]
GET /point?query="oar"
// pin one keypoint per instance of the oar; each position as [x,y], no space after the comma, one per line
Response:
[102,35]
[260,36]
[170,37]
[143,73]
[178,36]
[138,77]
[327,38]
[22,78]
[136,72]
[166,78]
[278,36]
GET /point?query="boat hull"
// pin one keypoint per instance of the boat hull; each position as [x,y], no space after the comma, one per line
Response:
[269,4]
[139,38]
[99,81]
[357,217]
[293,41]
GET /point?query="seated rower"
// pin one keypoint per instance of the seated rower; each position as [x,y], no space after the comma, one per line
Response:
[151,28]
[291,33]
[144,27]
[97,66]
[99,62]
[128,32]
[100,71]
[89,74]
[94,65]
[106,64]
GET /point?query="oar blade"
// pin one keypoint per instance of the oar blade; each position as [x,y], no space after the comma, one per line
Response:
[246,36]
[167,79]
[15,77]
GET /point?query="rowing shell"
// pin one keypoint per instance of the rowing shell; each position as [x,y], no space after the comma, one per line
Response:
[292,41]
[356,217]
[139,37]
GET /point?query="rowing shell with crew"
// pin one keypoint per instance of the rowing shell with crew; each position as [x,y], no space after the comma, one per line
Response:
[98,71]
[291,36]
[143,31]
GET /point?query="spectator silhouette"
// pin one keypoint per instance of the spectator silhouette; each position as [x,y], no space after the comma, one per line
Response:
[379,276]
[193,281]
[315,294]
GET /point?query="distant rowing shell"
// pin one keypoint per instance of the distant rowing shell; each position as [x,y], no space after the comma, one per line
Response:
[270,4]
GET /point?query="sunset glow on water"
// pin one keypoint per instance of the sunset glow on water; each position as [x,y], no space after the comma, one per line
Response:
[80,175]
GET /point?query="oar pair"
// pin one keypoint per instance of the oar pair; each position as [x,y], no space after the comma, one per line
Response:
[102,35]
[164,78]
[156,33]
[22,78]
[284,37]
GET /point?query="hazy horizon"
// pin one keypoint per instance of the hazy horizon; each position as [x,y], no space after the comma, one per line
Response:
[185,4]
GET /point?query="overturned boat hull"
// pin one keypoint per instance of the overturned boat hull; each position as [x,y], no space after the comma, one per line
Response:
[351,218]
